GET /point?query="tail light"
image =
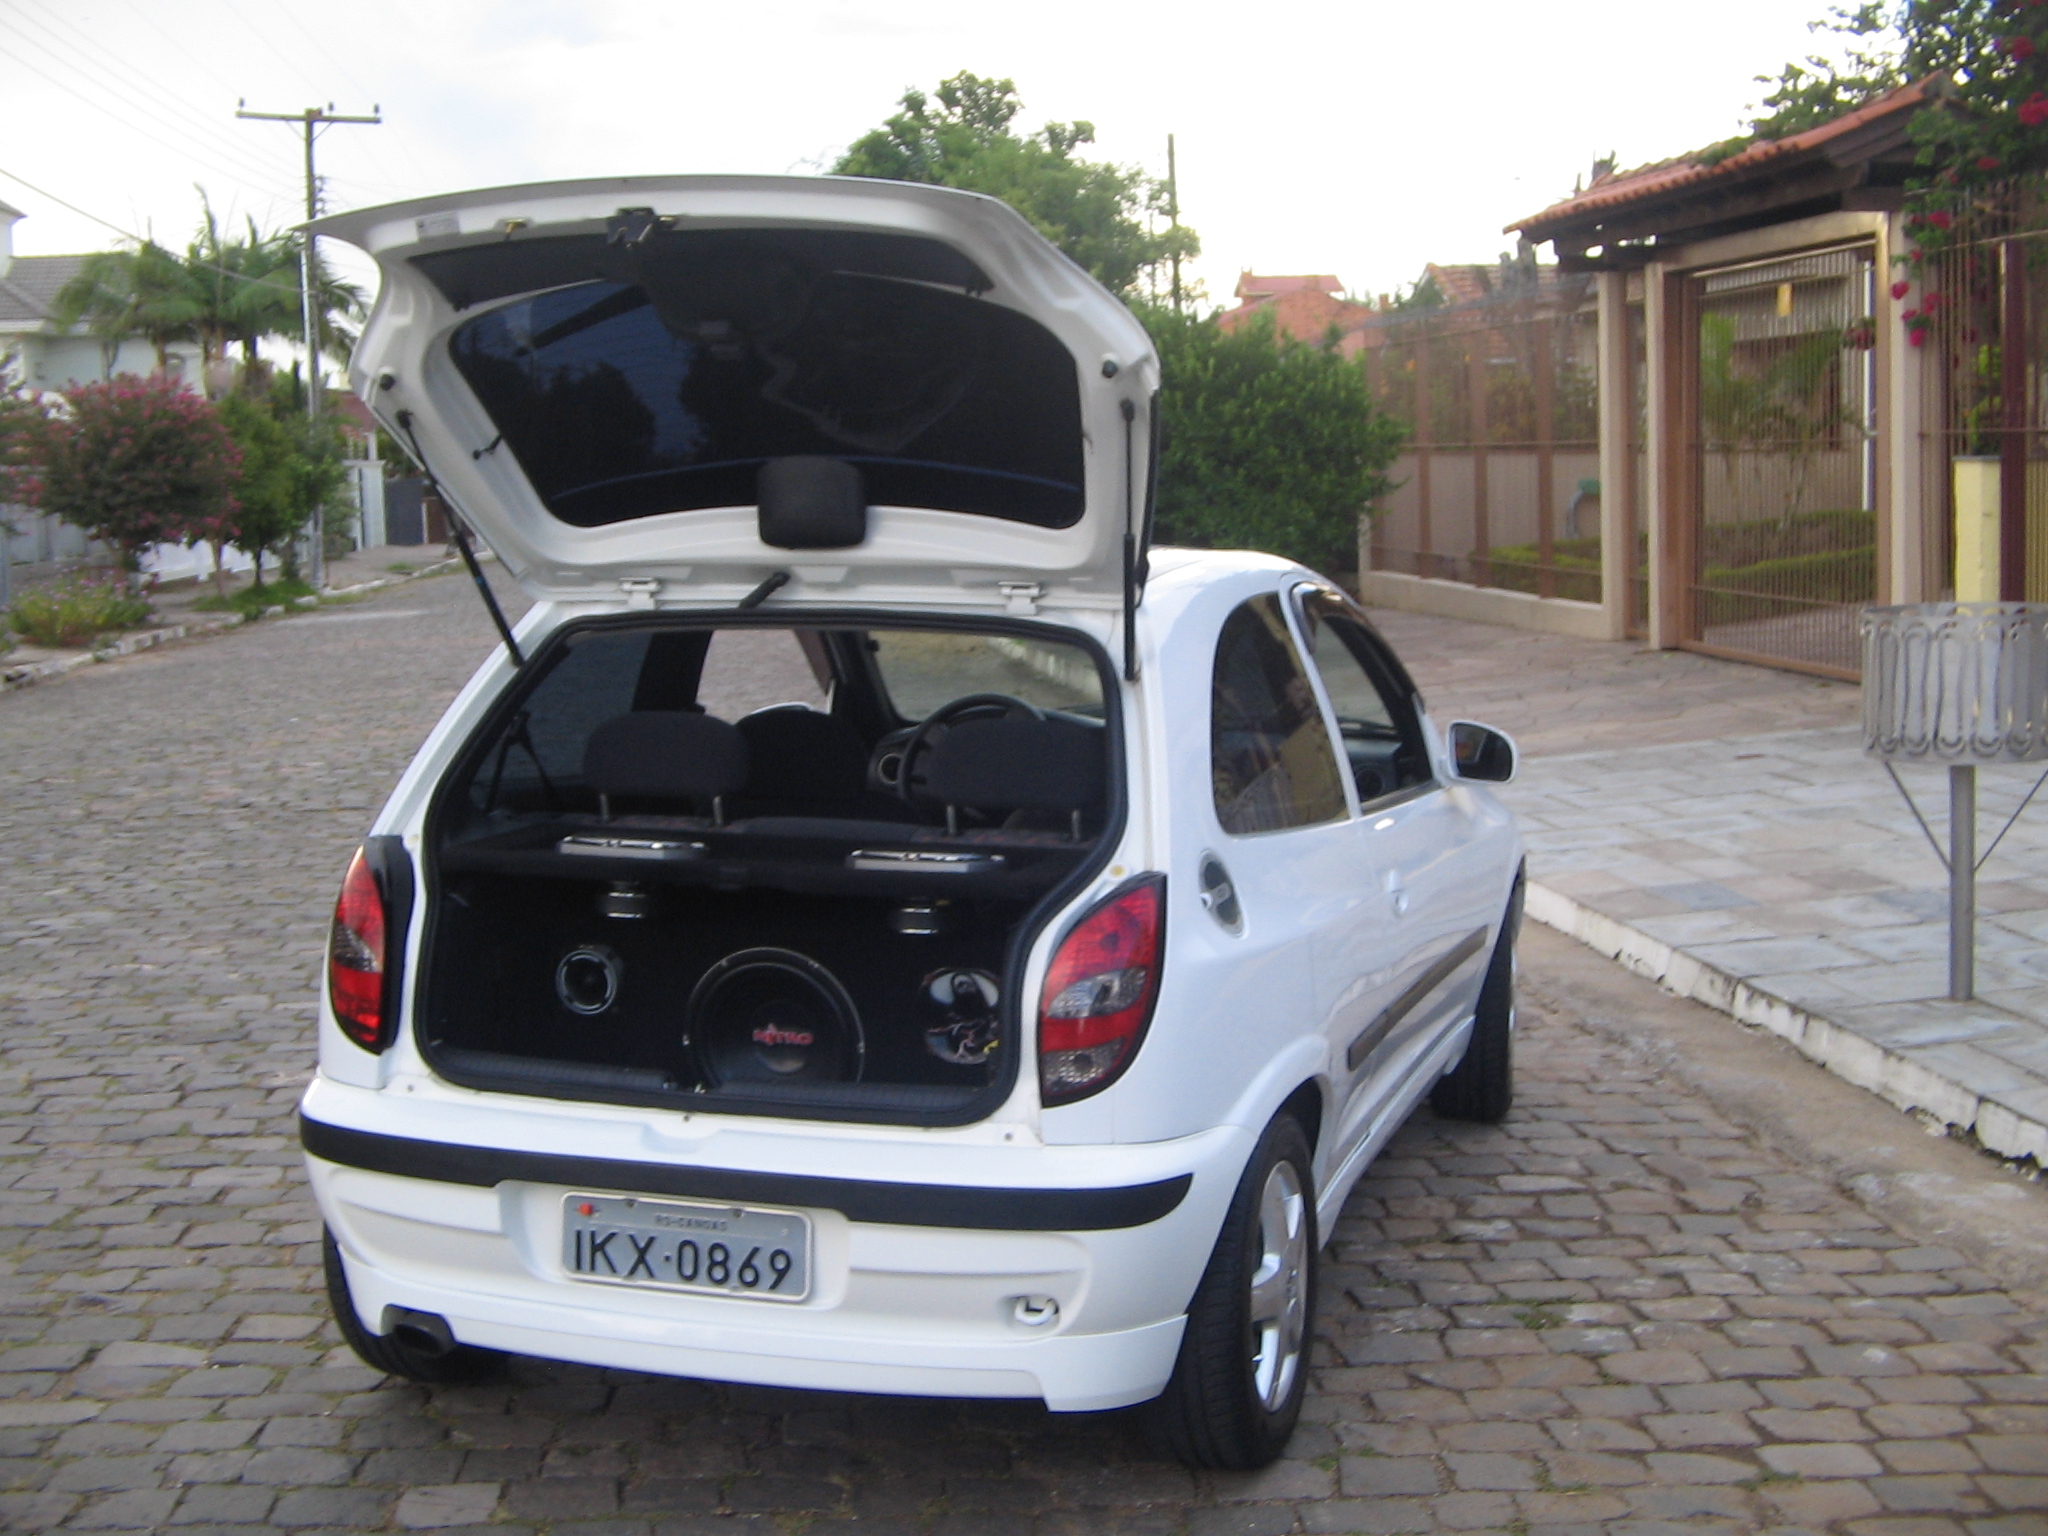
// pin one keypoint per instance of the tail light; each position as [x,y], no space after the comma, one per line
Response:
[1099,992]
[355,957]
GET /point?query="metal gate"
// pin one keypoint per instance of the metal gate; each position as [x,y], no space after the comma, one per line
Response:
[1782,543]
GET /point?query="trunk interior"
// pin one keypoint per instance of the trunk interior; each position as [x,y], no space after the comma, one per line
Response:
[762,869]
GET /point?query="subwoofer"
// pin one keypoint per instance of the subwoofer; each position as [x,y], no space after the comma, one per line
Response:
[772,1015]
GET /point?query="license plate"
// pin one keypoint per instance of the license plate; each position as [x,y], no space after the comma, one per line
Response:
[713,1250]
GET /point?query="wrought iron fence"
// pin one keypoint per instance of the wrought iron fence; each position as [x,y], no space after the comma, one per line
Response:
[1499,484]
[1783,543]
[1984,282]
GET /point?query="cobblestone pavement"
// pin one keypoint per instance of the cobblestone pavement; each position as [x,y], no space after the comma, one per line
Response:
[1616,1312]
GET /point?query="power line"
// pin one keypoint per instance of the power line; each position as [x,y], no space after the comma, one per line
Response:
[311,121]
[218,139]
[240,277]
[346,73]
[131,126]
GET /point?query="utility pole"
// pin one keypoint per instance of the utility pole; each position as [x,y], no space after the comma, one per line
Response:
[311,121]
[1173,217]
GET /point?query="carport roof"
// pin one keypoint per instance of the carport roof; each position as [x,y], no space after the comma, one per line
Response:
[1859,160]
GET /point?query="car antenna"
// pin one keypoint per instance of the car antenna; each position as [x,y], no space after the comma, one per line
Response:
[476,572]
[1130,413]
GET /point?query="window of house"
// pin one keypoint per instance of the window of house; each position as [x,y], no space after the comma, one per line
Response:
[1271,758]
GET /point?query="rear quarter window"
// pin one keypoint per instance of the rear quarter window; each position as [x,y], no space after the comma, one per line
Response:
[1272,763]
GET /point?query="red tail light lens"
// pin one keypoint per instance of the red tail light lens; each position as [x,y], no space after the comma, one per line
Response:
[355,957]
[1099,992]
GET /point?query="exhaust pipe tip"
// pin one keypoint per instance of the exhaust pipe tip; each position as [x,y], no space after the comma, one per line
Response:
[427,1332]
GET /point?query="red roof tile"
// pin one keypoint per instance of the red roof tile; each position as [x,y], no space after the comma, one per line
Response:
[1670,175]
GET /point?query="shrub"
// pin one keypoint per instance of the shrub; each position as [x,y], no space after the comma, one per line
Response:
[252,600]
[76,611]
[1574,564]
[136,462]
[1265,442]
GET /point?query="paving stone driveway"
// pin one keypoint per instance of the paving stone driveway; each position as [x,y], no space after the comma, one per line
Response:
[1616,1312]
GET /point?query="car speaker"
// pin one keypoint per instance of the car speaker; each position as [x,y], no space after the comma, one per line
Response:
[963,1004]
[772,1015]
[587,980]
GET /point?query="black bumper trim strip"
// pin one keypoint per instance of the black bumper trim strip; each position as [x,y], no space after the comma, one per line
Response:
[908,1205]
[1404,1005]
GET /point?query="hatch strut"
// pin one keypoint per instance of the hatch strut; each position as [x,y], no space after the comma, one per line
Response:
[1130,548]
[461,529]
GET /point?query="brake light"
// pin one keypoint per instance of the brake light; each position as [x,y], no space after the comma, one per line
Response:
[1099,992]
[355,957]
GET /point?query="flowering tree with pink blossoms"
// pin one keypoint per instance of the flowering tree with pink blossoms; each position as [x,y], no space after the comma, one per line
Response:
[137,461]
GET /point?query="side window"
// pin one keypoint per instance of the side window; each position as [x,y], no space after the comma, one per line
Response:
[1382,738]
[1271,758]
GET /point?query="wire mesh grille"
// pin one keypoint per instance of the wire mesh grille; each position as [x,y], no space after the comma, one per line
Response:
[1784,542]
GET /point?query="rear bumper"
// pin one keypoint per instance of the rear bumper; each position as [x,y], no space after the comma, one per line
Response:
[916,1285]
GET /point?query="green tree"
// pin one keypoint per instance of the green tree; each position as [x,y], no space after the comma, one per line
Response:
[961,136]
[290,466]
[1990,119]
[136,462]
[146,292]
[246,289]
[1266,442]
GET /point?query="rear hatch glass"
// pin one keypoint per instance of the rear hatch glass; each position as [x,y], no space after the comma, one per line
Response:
[626,398]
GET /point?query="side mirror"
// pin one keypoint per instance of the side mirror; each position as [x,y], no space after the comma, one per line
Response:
[1480,753]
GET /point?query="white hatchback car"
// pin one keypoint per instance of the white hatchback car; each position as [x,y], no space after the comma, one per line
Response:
[876,925]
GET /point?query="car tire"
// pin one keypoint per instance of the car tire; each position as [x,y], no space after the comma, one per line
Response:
[1481,1087]
[387,1352]
[1237,1387]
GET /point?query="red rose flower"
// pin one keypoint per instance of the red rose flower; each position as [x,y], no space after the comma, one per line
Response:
[2034,110]
[1901,288]
[2021,47]
[1987,162]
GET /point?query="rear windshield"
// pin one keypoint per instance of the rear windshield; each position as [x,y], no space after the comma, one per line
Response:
[624,400]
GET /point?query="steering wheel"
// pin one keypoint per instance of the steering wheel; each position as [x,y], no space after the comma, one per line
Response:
[1003,705]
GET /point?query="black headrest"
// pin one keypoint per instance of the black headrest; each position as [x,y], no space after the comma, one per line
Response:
[795,752]
[1017,763]
[665,755]
[811,503]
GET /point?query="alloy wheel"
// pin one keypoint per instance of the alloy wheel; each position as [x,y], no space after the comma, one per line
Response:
[1279,1285]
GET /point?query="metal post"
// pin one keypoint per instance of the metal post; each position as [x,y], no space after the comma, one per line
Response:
[310,121]
[1962,881]
[2013,444]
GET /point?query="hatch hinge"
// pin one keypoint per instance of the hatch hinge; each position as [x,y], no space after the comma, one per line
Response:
[640,590]
[1021,596]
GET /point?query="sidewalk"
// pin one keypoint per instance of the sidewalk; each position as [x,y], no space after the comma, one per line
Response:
[176,617]
[1717,827]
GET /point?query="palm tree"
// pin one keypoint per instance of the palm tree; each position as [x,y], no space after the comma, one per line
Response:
[248,289]
[146,292]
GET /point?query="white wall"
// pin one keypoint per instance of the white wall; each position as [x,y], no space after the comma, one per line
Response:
[58,362]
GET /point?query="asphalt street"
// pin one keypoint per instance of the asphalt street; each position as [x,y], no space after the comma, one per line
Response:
[1624,1310]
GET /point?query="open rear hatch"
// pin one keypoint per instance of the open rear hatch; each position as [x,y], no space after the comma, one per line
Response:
[600,373]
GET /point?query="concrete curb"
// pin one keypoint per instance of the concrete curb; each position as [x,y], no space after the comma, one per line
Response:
[128,645]
[30,673]
[1902,1082]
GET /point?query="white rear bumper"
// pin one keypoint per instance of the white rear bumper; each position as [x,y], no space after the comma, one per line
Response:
[895,1306]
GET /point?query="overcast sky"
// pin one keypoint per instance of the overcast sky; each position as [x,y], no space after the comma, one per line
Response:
[1361,139]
